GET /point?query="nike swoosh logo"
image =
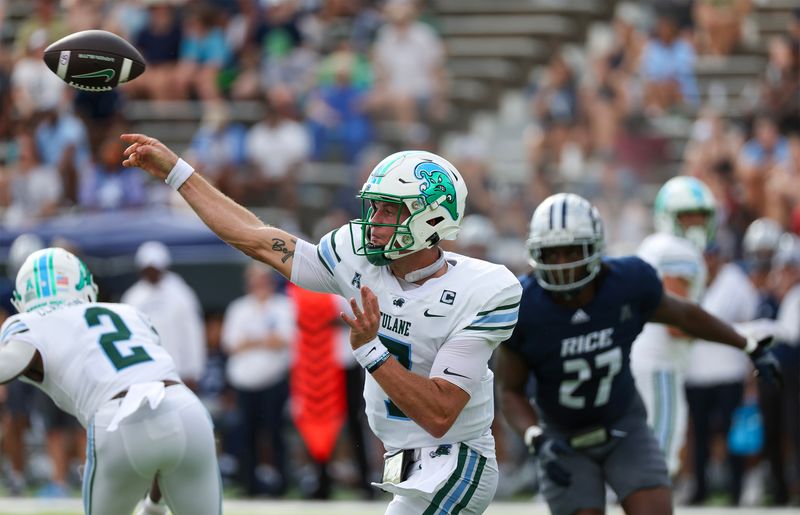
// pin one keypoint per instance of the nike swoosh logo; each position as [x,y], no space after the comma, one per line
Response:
[404,182]
[108,73]
[427,314]
[447,372]
[370,351]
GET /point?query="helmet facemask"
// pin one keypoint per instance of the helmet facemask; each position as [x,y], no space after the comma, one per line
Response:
[565,243]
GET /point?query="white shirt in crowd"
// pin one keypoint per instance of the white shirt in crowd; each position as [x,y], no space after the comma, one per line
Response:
[247,318]
[176,314]
[275,149]
[409,58]
[713,363]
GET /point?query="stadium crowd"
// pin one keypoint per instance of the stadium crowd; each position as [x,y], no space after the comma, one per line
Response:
[341,81]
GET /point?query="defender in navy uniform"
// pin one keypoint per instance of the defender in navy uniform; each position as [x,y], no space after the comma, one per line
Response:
[578,318]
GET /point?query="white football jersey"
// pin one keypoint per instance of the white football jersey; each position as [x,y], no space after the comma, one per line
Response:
[91,352]
[671,256]
[473,301]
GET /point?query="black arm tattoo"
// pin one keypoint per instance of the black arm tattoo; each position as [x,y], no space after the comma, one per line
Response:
[279,245]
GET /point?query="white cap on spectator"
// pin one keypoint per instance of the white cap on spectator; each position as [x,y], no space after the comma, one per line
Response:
[153,254]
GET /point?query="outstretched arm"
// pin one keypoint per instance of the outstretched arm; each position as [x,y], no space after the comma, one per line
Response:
[231,222]
[695,321]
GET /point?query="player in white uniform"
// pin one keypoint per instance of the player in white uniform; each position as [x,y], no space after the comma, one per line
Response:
[684,220]
[425,327]
[103,363]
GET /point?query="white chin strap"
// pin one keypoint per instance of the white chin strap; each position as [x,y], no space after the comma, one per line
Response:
[424,273]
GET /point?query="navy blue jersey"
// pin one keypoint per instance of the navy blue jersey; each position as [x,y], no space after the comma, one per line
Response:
[580,358]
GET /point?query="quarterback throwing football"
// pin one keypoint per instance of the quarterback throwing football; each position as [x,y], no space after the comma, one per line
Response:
[424,325]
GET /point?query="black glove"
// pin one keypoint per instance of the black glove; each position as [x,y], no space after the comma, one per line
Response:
[768,368]
[549,450]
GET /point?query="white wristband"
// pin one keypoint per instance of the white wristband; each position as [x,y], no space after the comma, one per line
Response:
[179,174]
[369,353]
[752,344]
[530,434]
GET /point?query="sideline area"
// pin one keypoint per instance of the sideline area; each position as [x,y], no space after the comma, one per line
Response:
[25,506]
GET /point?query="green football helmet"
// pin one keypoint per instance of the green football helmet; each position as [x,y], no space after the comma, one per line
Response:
[431,189]
[52,277]
[684,194]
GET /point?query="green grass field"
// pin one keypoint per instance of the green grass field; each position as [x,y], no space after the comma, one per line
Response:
[73,507]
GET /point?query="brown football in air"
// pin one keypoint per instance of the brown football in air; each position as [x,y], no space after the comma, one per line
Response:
[94,60]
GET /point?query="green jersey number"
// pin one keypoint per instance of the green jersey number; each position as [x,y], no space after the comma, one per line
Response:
[402,352]
[108,341]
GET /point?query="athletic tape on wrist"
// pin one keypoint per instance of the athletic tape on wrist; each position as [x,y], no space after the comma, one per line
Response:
[367,354]
[179,174]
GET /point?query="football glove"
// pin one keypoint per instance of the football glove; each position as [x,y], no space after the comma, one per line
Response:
[548,450]
[767,366]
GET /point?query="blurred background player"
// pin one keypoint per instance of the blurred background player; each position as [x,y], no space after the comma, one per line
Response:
[684,222]
[173,307]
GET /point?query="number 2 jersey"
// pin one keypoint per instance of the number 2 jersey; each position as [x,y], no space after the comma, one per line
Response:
[474,301]
[580,357]
[90,352]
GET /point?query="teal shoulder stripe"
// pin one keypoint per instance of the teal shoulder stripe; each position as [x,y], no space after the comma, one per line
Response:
[499,308]
[484,328]
[472,487]
[442,493]
[322,260]
[333,245]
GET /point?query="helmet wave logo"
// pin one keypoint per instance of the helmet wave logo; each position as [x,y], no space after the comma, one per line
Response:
[437,186]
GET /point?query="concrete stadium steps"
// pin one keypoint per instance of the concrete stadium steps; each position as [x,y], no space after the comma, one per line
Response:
[546,26]
[575,8]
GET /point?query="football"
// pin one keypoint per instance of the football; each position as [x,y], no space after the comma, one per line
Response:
[94,60]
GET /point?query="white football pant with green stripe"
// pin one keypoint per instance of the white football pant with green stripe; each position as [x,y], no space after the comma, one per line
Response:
[663,393]
[175,440]
[469,490]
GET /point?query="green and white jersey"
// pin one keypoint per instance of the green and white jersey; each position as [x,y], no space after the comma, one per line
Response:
[90,352]
[671,256]
[446,328]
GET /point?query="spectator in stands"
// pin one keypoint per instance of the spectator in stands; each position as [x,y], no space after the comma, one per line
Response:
[629,42]
[62,141]
[204,53]
[409,70]
[34,88]
[106,185]
[277,148]
[470,156]
[766,149]
[257,332]
[555,111]
[719,25]
[715,376]
[287,60]
[45,16]
[667,68]
[160,44]
[605,101]
[783,188]
[218,149]
[34,188]
[173,308]
[337,108]
[780,82]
